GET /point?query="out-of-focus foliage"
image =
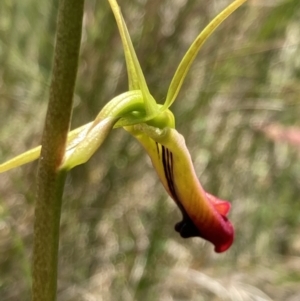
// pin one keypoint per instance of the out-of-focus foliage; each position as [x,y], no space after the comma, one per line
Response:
[117,237]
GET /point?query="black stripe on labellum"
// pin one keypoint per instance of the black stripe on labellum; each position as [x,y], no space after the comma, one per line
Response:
[157,148]
[186,227]
[168,169]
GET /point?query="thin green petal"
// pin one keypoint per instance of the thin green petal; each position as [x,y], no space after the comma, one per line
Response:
[33,154]
[132,74]
[191,54]
[116,108]
[22,159]
[135,74]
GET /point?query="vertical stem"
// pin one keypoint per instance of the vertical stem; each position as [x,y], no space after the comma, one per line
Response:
[50,181]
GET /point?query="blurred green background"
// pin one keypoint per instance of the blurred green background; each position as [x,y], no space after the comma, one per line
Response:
[235,110]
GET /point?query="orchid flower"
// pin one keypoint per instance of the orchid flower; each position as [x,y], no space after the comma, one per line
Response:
[153,125]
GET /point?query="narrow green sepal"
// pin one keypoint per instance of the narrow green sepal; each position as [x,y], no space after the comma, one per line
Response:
[192,52]
[136,77]
[34,154]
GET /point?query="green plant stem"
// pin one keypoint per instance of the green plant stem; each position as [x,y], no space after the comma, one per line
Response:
[50,179]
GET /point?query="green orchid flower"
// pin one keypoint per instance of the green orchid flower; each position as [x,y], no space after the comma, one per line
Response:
[153,125]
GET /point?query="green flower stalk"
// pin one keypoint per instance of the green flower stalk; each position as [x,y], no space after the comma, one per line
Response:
[153,125]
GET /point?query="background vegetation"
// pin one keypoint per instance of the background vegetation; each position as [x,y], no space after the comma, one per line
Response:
[117,240]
